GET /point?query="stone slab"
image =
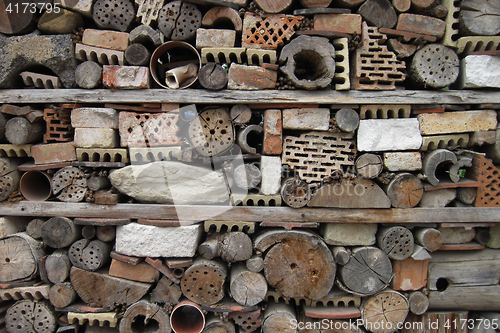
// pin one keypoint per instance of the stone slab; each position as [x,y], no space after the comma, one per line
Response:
[403,161]
[215,38]
[457,122]
[94,118]
[389,134]
[348,234]
[271,175]
[107,39]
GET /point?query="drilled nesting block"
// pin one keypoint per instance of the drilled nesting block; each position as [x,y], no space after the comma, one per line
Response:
[41,80]
[31,293]
[59,127]
[341,77]
[452,21]
[7,150]
[102,155]
[223,226]
[203,281]
[212,132]
[99,54]
[444,141]
[484,171]
[113,14]
[385,111]
[435,66]
[315,155]
[148,129]
[466,45]
[94,319]
[153,154]
[374,66]
[179,20]
[69,184]
[255,200]
[268,31]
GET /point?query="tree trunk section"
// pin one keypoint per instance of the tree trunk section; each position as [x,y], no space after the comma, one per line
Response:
[401,6]
[422,5]
[104,291]
[341,255]
[15,22]
[19,254]
[212,76]
[277,318]
[383,312]
[57,266]
[166,292]
[482,235]
[9,177]
[137,55]
[404,191]
[145,317]
[203,281]
[430,238]
[97,183]
[368,271]
[350,3]
[418,302]
[62,294]
[241,114]
[106,233]
[88,232]
[210,248]
[467,195]
[34,228]
[19,131]
[59,232]
[90,255]
[214,324]
[347,120]
[379,13]
[246,287]
[369,166]
[69,184]
[255,263]
[30,316]
[274,6]
[231,246]
[479,18]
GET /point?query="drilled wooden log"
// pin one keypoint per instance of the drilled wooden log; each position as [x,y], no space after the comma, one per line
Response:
[401,6]
[114,14]
[435,66]
[277,318]
[96,183]
[274,6]
[203,281]
[255,263]
[240,114]
[69,184]
[166,292]
[418,302]
[9,177]
[247,176]
[382,313]
[231,246]
[89,255]
[19,131]
[30,316]
[295,192]
[62,294]
[57,266]
[369,166]
[212,76]
[106,233]
[137,55]
[212,132]
[246,287]
[341,255]
[179,20]
[404,191]
[479,17]
[19,254]
[430,238]
[367,272]
[397,242]
[59,232]
[88,232]
[145,317]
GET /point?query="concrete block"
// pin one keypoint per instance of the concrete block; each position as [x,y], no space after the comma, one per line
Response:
[241,77]
[457,122]
[438,198]
[306,119]
[107,39]
[389,134]
[53,152]
[270,167]
[273,133]
[140,240]
[94,118]
[349,234]
[479,71]
[345,23]
[215,38]
[403,161]
[421,24]
[126,77]
[96,138]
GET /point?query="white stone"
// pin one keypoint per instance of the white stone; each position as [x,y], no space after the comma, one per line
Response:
[139,240]
[403,161]
[349,234]
[438,198]
[389,134]
[10,225]
[171,183]
[96,138]
[270,167]
[215,38]
[479,71]
[94,118]
[306,119]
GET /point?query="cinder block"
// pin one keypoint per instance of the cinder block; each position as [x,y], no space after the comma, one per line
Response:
[261,57]
[141,272]
[444,141]
[106,39]
[341,78]
[125,77]
[268,31]
[241,77]
[273,133]
[457,122]
[349,234]
[140,240]
[306,119]
[345,23]
[403,161]
[479,71]
[270,167]
[94,118]
[466,45]
[421,24]
[385,111]
[148,129]
[99,54]
[389,134]
[102,155]
[215,38]
[227,54]
[53,152]
[96,138]
[452,21]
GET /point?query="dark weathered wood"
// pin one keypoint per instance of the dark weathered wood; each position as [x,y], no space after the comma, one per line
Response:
[166,292]
[231,246]
[274,6]
[137,55]
[57,266]
[369,165]
[34,228]
[20,131]
[203,281]
[430,238]
[212,76]
[467,195]
[69,184]
[315,3]
[404,191]
[479,17]
[368,271]
[62,294]
[418,302]
[88,232]
[388,309]
[30,316]
[148,316]
[482,235]
[104,291]
[379,13]
[106,233]
[341,255]
[421,5]
[59,232]
[246,287]
[9,177]
[277,318]
[16,21]
[19,254]
[89,255]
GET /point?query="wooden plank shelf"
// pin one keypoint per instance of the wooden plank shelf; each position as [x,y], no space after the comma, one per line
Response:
[190,214]
[274,97]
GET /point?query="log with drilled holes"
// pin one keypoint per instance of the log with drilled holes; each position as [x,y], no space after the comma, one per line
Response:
[57,266]
[203,281]
[19,254]
[435,66]
[30,316]
[59,232]
[246,287]
[9,177]
[397,242]
[382,313]
[90,255]
[69,184]
[295,193]
[179,20]
[148,316]
[113,14]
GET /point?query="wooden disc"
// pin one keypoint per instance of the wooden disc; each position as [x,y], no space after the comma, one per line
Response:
[368,271]
[347,119]
[59,232]
[203,282]
[69,184]
[62,294]
[419,303]
[241,114]
[145,317]
[212,132]
[369,166]
[236,246]
[302,267]
[179,20]
[435,66]
[315,3]
[113,14]
[405,191]
[16,259]
[57,266]
[396,242]
[247,288]
[383,312]
[212,76]
[34,228]
[30,316]
[16,20]
[479,18]
[295,193]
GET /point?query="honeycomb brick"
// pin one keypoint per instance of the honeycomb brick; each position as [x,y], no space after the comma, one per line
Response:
[341,79]
[8,150]
[466,45]
[484,171]
[221,55]
[153,154]
[102,155]
[374,66]
[59,127]
[316,155]
[259,57]
[384,111]
[101,319]
[40,80]
[223,226]
[452,22]
[268,31]
[255,200]
[148,129]
[444,141]
[99,54]
[248,321]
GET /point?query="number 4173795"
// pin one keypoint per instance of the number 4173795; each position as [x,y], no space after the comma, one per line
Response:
[32,7]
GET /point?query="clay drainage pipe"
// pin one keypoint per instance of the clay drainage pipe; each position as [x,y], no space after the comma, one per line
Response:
[187,317]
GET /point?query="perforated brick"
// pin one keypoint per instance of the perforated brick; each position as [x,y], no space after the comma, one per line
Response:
[248,321]
[8,150]
[444,141]
[59,127]
[341,79]
[31,79]
[222,55]
[384,111]
[102,155]
[255,200]
[148,129]
[452,21]
[259,57]
[268,31]
[484,171]
[223,226]
[374,66]
[316,155]
[466,45]
[153,154]
[338,299]
[99,54]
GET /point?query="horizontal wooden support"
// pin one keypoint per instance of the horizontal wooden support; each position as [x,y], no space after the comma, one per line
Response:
[251,213]
[274,97]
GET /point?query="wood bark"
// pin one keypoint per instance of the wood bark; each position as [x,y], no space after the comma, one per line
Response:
[19,254]
[379,13]
[19,131]
[96,183]
[479,17]
[246,287]
[69,184]
[396,242]
[59,232]
[62,294]
[241,114]
[383,312]
[57,266]
[166,292]
[341,255]
[401,6]
[274,6]
[255,263]
[430,238]
[203,281]
[212,76]
[106,233]
[145,317]
[368,271]
[103,291]
[90,255]
[404,191]
[277,318]
[88,232]
[369,166]
[30,316]
[34,228]
[418,302]
[231,246]
[9,177]
[137,55]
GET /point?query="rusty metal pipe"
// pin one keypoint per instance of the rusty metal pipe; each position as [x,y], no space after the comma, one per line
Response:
[187,317]
[35,186]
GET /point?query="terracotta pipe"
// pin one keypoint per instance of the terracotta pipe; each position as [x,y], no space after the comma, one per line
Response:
[187,317]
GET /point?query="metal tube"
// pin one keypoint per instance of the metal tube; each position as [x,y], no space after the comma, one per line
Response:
[187,317]
[35,186]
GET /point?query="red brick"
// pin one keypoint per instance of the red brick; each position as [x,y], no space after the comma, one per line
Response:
[345,23]
[409,274]
[421,24]
[125,77]
[106,39]
[141,272]
[243,77]
[273,133]
[53,152]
